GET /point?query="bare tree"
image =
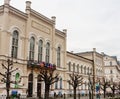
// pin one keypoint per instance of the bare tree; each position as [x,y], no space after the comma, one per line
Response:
[104,84]
[113,86]
[47,75]
[75,81]
[7,76]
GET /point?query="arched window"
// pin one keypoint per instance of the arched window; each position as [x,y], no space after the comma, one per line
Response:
[30,85]
[60,83]
[39,86]
[40,50]
[84,70]
[110,63]
[78,68]
[14,50]
[88,70]
[111,71]
[81,69]
[58,56]
[69,66]
[91,71]
[56,85]
[32,48]
[73,67]
[47,53]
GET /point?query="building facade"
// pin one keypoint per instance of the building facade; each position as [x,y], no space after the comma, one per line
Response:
[112,68]
[31,36]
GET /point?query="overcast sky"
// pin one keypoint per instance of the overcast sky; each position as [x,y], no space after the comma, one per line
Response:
[90,23]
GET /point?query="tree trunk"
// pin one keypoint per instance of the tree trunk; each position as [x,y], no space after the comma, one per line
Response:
[47,88]
[75,93]
[113,92]
[92,92]
[104,93]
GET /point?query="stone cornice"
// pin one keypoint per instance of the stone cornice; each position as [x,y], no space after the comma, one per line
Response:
[1,9]
[79,57]
[42,17]
[60,33]
[18,13]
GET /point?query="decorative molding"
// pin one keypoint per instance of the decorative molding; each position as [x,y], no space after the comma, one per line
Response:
[22,37]
[36,42]
[18,13]
[41,17]
[40,27]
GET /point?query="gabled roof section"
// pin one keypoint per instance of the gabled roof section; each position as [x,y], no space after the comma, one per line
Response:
[89,52]
[60,33]
[14,11]
[1,9]
[18,12]
[42,17]
[80,56]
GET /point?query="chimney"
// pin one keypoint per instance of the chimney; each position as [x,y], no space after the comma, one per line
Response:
[53,19]
[94,49]
[28,6]
[65,30]
[6,2]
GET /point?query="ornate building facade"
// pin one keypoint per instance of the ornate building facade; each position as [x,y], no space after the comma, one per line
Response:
[30,36]
[112,68]
[33,36]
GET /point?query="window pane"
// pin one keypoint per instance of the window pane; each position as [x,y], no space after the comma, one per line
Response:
[32,46]
[14,48]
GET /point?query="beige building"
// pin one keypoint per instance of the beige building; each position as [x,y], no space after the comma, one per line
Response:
[29,35]
[112,68]
[81,66]
[98,62]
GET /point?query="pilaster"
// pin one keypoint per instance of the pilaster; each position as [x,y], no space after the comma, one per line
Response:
[4,39]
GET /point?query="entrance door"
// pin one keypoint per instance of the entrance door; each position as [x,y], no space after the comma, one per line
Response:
[39,86]
[30,85]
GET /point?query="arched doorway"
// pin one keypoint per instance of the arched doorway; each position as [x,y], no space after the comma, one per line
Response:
[39,86]
[30,85]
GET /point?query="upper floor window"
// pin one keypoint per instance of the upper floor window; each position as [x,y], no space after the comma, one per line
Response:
[110,63]
[78,68]
[32,48]
[14,44]
[73,67]
[40,50]
[91,71]
[58,56]
[81,69]
[69,66]
[88,70]
[84,70]
[111,71]
[47,53]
